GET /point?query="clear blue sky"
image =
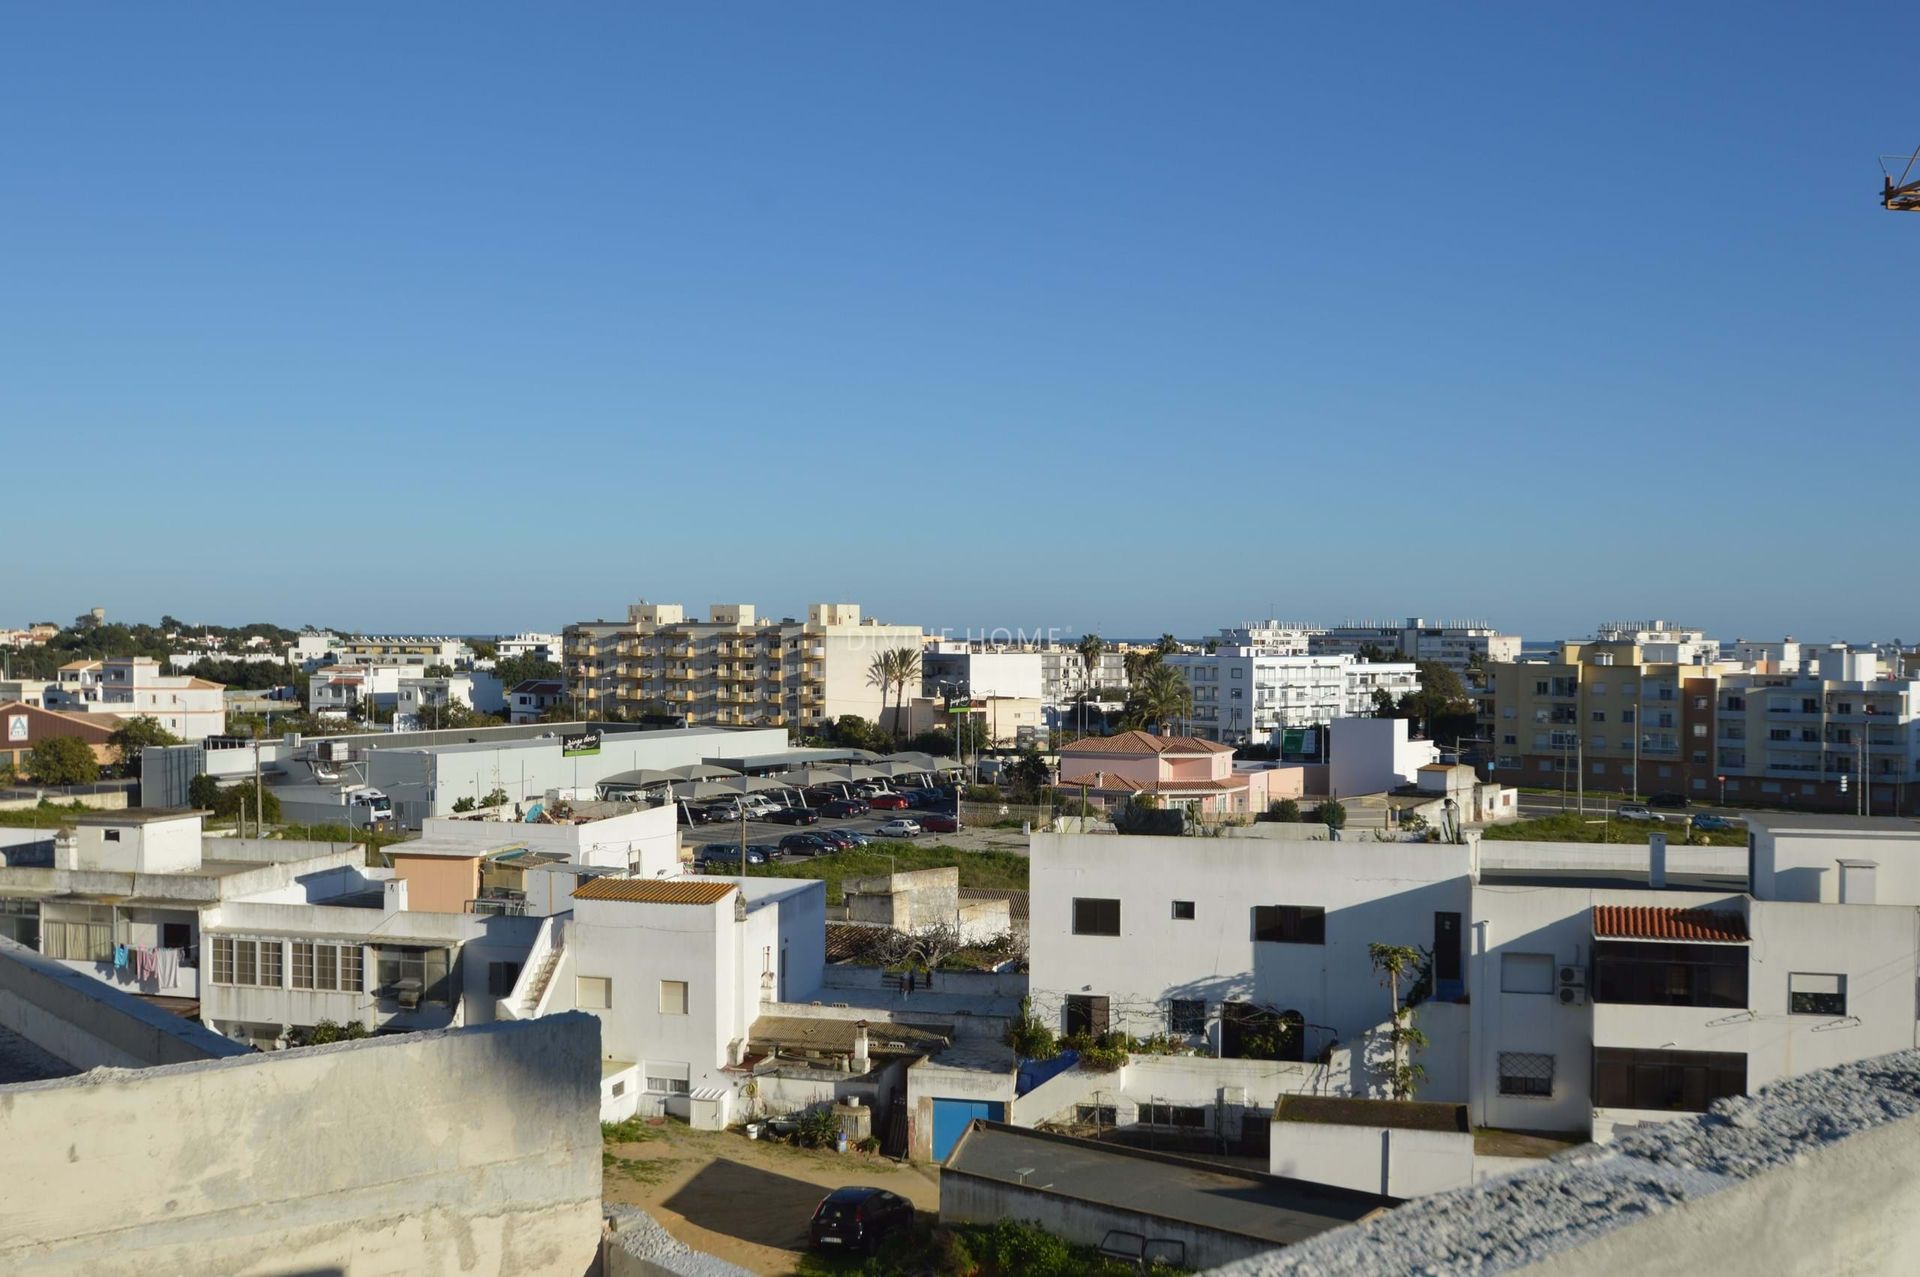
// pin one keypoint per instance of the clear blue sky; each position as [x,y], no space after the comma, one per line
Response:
[1131,317]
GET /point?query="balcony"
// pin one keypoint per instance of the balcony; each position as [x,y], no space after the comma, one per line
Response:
[498,907]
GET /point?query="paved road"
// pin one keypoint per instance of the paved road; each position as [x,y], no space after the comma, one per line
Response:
[1599,804]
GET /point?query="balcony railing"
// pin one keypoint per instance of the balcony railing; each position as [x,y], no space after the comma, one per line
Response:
[498,908]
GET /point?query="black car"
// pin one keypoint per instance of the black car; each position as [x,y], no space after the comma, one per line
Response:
[807,845]
[694,815]
[793,816]
[1668,800]
[858,1218]
[840,808]
[840,838]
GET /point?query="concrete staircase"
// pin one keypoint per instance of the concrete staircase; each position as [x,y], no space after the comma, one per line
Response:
[536,988]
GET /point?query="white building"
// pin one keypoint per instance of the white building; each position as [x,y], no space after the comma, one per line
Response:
[1064,675]
[541,647]
[1373,755]
[964,669]
[419,695]
[1245,694]
[338,689]
[1458,645]
[1661,642]
[133,686]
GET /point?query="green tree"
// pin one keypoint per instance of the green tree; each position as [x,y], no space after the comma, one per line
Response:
[1159,698]
[134,735]
[1441,692]
[203,792]
[64,760]
[463,804]
[1091,648]
[906,672]
[1286,811]
[236,803]
[1028,774]
[1167,645]
[515,670]
[880,675]
[1332,813]
[1395,964]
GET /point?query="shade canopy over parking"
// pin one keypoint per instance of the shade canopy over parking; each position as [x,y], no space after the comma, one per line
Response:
[732,787]
[896,767]
[644,778]
[702,771]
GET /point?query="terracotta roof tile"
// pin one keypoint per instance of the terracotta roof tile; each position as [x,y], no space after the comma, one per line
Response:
[1123,784]
[1644,922]
[1137,742]
[654,891]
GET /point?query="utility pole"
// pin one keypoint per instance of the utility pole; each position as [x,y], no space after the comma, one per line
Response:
[259,800]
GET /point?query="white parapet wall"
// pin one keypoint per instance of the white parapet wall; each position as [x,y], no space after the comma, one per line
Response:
[1819,1173]
[460,1151]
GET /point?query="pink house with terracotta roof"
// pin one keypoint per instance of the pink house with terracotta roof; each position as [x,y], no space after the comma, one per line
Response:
[1182,771]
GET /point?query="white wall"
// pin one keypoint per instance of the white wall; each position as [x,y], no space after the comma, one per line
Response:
[1372,755]
[474,1151]
[1372,892]
[645,835]
[1798,862]
[1372,1159]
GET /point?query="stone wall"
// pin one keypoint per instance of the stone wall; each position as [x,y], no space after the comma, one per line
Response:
[89,1023]
[463,1151]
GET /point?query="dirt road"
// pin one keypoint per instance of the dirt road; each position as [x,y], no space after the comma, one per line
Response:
[745,1201]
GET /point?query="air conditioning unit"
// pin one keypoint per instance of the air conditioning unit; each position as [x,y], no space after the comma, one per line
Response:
[1571,973]
[1571,984]
[1573,995]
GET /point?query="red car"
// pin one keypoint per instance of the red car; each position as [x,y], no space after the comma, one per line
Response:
[941,824]
[888,802]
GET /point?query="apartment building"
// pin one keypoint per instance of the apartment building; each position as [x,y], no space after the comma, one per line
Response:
[1458,645]
[1603,717]
[733,668]
[389,649]
[1064,676]
[134,686]
[539,646]
[1662,642]
[1844,735]
[1243,694]
[419,695]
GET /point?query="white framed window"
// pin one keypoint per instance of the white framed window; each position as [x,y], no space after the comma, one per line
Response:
[1526,973]
[1810,993]
[593,993]
[668,1085]
[673,997]
[1526,1073]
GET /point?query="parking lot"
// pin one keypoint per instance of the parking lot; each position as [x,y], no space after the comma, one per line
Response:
[768,833]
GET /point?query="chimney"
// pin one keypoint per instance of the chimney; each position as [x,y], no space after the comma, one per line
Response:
[1857,885]
[393,898]
[1657,860]
[861,1059]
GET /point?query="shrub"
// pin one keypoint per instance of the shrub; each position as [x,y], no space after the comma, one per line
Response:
[63,760]
[463,804]
[816,1128]
[1103,1054]
[327,1031]
[1030,1039]
[1331,813]
[982,793]
[1286,811]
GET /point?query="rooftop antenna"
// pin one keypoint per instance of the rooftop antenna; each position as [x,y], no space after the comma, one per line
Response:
[1902,196]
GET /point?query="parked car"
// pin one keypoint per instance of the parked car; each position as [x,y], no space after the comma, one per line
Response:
[720,857]
[929,798]
[899,827]
[794,816]
[858,1218]
[941,824]
[1708,821]
[888,802]
[868,789]
[841,808]
[759,805]
[806,845]
[853,836]
[691,815]
[840,838]
[1668,800]
[1638,811]
[728,810]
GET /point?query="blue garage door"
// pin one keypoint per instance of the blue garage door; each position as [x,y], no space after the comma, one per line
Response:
[950,1118]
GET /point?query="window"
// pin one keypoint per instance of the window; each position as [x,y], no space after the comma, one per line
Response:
[111,835]
[1183,911]
[222,960]
[20,922]
[1643,973]
[593,993]
[1187,1116]
[619,1089]
[1186,1017]
[673,997]
[1681,1081]
[409,969]
[303,964]
[1526,1073]
[250,962]
[1526,973]
[1290,924]
[1096,917]
[1447,951]
[1810,994]
[1094,1114]
[271,952]
[669,1085]
[1086,1014]
[176,935]
[1599,716]
[501,977]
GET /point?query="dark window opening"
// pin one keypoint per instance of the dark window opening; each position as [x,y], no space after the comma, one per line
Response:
[1678,1081]
[1290,924]
[1643,973]
[1183,911]
[1086,1014]
[1096,917]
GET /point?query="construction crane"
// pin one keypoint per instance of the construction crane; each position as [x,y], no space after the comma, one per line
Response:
[1902,196]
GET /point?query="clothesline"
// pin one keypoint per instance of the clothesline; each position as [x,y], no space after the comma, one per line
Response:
[138,964]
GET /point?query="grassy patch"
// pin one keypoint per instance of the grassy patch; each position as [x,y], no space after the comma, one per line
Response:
[1596,827]
[1002,869]
[1009,1248]
[650,1170]
[46,815]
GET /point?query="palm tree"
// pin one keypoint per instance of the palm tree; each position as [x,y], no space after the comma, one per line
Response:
[1167,645]
[880,675]
[1139,661]
[906,669]
[1090,647]
[1161,697]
